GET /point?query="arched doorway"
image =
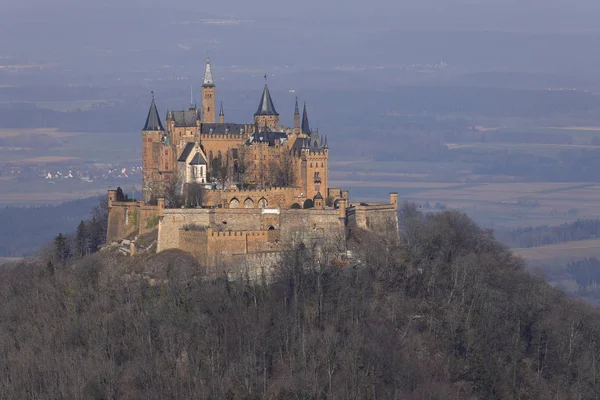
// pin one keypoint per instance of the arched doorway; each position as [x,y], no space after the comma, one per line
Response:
[308,203]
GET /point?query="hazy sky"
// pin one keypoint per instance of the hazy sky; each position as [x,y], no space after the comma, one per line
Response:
[535,15]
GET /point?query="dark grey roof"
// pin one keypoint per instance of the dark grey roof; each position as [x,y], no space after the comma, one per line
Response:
[267,136]
[222,129]
[305,125]
[296,110]
[186,151]
[319,196]
[153,120]
[266,106]
[300,143]
[221,113]
[198,159]
[186,118]
[314,143]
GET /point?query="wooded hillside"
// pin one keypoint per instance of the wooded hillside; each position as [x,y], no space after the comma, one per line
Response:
[450,313]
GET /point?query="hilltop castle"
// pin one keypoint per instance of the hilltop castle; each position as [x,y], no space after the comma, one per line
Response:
[233,193]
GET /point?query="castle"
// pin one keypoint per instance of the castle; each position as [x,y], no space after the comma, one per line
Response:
[240,194]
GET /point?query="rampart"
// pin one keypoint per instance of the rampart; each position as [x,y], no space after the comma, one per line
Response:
[128,217]
[217,250]
[379,218]
[262,198]
[294,226]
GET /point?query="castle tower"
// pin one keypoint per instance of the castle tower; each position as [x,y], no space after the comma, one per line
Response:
[305,125]
[296,118]
[221,115]
[266,114]
[208,95]
[152,136]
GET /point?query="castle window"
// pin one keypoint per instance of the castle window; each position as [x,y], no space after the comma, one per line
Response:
[248,203]
[322,165]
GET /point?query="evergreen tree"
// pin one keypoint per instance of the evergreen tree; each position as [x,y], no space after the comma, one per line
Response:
[82,240]
[120,194]
[62,250]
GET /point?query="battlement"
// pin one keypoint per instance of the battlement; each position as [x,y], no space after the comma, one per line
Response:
[235,137]
[268,189]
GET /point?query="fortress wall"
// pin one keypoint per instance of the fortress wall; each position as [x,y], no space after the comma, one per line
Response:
[223,245]
[274,196]
[146,215]
[258,265]
[313,224]
[381,218]
[237,219]
[196,243]
[173,220]
[122,220]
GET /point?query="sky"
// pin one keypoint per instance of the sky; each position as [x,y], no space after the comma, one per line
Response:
[507,15]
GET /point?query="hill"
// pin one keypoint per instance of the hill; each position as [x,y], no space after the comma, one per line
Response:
[449,313]
[25,229]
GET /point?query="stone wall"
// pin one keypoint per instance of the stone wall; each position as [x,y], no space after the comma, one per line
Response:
[308,226]
[378,218]
[266,198]
[173,220]
[127,218]
[218,250]
[250,230]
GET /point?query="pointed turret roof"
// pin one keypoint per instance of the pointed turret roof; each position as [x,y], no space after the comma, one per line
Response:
[208,78]
[221,113]
[266,106]
[305,125]
[153,120]
[296,110]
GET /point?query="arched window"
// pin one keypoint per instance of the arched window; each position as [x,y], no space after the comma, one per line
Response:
[219,155]
[248,203]
[234,203]
[210,156]
[263,203]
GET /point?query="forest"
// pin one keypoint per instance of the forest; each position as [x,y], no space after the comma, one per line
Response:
[446,313]
[581,229]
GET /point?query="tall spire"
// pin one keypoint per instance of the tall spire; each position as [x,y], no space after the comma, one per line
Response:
[296,118]
[266,106]
[221,115]
[153,120]
[305,125]
[208,78]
